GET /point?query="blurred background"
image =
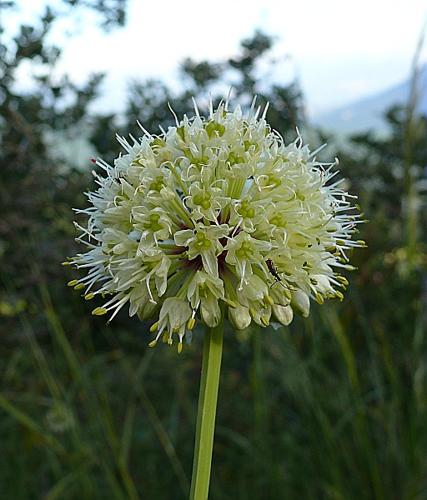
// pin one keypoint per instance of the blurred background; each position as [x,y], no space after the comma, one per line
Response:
[334,407]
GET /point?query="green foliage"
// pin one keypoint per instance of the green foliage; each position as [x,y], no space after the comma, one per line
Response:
[332,408]
[113,11]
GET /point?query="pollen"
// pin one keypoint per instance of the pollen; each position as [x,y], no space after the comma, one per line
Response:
[99,311]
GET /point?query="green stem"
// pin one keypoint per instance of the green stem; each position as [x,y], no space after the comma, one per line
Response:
[212,353]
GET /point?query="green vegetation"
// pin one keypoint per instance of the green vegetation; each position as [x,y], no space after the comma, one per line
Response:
[334,407]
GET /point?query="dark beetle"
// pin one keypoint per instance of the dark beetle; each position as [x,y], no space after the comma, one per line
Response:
[273,270]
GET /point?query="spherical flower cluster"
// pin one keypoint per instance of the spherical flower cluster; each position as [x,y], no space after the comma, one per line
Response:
[215,216]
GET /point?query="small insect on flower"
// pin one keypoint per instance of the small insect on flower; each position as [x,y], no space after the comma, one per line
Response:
[209,216]
[273,271]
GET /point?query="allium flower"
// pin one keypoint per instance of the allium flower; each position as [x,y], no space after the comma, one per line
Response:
[216,213]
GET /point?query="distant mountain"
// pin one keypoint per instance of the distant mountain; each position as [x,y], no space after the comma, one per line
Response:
[368,113]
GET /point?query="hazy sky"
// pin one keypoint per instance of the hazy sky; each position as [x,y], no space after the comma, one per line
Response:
[340,50]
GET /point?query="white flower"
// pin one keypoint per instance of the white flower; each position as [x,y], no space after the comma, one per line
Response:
[215,214]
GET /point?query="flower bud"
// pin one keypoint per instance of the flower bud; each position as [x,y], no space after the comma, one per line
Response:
[301,302]
[284,314]
[240,317]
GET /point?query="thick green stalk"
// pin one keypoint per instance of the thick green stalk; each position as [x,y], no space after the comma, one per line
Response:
[205,427]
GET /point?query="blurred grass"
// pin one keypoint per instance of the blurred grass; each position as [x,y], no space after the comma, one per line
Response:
[308,412]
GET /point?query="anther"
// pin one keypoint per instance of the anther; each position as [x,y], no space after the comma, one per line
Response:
[99,311]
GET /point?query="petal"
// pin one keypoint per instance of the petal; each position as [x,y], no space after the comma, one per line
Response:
[301,302]
[182,238]
[210,262]
[210,311]
[240,317]
[284,314]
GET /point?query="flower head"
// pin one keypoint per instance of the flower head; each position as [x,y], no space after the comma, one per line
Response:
[215,214]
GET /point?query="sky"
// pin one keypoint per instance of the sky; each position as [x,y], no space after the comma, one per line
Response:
[339,50]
